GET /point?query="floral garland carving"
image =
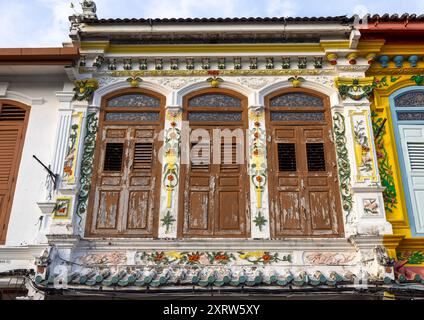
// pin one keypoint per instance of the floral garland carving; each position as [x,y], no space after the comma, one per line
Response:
[84,89]
[87,164]
[385,168]
[212,258]
[412,257]
[258,170]
[172,152]
[343,161]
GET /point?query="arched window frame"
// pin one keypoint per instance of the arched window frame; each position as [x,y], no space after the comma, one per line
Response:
[401,154]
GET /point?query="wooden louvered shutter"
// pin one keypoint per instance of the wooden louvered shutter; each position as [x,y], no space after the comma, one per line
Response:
[143,156]
[12,125]
[412,141]
[304,191]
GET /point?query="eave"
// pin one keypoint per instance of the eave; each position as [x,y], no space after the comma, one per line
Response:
[39,56]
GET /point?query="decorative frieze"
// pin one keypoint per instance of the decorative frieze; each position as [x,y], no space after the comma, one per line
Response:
[363,146]
[71,155]
[258,173]
[171,173]
[84,89]
[343,161]
[87,165]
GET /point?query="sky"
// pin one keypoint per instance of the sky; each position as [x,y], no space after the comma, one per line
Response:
[44,23]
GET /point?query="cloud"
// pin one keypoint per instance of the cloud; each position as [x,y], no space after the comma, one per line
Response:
[59,26]
[281,8]
[27,23]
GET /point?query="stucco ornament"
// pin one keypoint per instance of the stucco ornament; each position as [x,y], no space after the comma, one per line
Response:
[87,164]
[255,83]
[214,80]
[257,150]
[329,258]
[134,81]
[176,83]
[296,81]
[343,161]
[84,89]
[355,88]
[89,9]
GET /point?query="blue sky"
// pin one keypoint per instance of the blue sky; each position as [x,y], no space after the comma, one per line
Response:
[44,23]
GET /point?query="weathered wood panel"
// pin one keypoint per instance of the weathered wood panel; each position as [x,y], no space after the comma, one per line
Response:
[304,191]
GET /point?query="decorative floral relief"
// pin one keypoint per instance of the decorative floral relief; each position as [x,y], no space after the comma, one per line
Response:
[264,257]
[177,83]
[343,160]
[172,153]
[106,81]
[329,258]
[87,164]
[84,89]
[210,258]
[111,258]
[255,83]
[363,146]
[412,257]
[355,89]
[72,149]
[258,168]
[384,165]
[62,208]
[371,207]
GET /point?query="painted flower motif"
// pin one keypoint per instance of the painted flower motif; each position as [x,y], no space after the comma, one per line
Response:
[256,135]
[68,170]
[259,179]
[257,124]
[213,73]
[173,124]
[174,254]
[193,258]
[159,256]
[221,258]
[171,178]
[266,258]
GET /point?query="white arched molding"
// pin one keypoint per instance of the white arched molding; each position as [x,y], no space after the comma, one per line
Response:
[22,98]
[332,93]
[100,93]
[179,95]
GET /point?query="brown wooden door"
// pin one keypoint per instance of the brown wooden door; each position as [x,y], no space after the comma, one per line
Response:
[13,120]
[214,200]
[304,196]
[126,185]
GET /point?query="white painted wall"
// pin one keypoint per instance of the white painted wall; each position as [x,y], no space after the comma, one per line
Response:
[39,141]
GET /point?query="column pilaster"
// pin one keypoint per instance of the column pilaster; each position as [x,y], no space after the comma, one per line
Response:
[171,162]
[368,213]
[258,173]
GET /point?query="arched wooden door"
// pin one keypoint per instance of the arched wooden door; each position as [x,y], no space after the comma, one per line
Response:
[214,196]
[125,193]
[13,123]
[303,184]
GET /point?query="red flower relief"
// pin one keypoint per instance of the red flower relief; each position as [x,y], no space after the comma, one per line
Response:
[266,257]
[159,257]
[221,258]
[193,258]
[213,73]
[171,178]
[259,178]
